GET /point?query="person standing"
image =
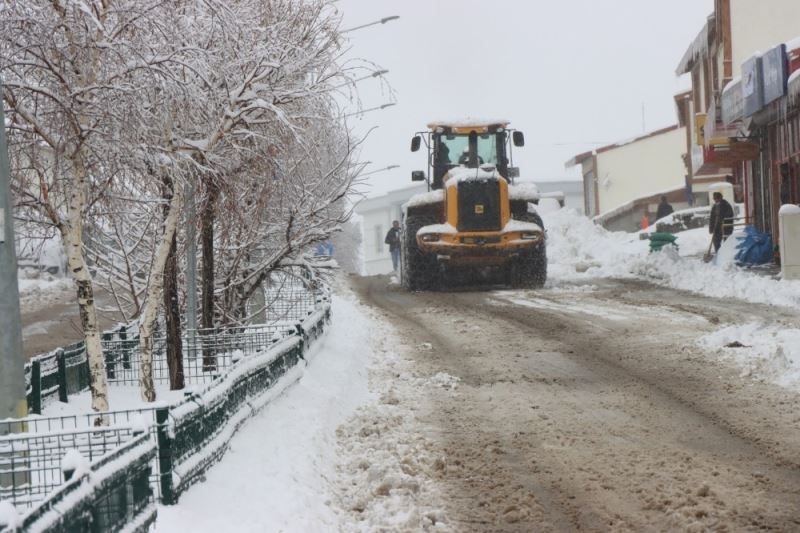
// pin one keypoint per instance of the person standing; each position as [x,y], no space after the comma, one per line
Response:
[664,209]
[720,225]
[393,240]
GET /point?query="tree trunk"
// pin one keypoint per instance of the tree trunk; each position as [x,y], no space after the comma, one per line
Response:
[152,297]
[171,307]
[76,262]
[207,297]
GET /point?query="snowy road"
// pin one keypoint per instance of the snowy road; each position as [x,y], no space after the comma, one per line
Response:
[594,407]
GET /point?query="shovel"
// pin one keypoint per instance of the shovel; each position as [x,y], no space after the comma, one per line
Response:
[707,257]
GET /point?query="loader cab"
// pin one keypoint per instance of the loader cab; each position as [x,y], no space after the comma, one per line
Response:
[470,146]
[470,150]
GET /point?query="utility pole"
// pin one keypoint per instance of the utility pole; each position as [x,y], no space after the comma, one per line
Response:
[12,362]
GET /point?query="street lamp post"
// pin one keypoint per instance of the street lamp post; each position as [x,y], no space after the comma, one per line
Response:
[390,167]
[384,20]
[12,373]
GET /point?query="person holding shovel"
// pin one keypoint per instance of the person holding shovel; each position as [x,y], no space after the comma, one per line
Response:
[720,225]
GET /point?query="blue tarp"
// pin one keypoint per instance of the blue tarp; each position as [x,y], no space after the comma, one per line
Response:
[754,248]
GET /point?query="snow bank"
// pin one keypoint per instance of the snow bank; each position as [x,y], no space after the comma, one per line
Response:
[278,472]
[577,249]
[9,517]
[768,352]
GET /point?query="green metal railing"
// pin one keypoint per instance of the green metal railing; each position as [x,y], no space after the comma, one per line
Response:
[115,493]
[186,438]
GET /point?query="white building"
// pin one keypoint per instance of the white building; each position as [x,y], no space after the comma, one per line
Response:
[377,216]
[624,181]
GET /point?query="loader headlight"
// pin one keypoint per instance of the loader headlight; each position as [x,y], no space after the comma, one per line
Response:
[531,236]
[430,237]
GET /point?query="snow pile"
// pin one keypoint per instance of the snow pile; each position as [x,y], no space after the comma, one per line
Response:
[578,249]
[39,289]
[328,454]
[74,462]
[768,352]
[9,517]
[387,480]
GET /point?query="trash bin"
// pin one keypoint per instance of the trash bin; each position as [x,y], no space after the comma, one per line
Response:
[789,216]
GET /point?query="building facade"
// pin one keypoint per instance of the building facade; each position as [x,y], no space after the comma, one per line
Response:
[739,111]
[377,215]
[624,181]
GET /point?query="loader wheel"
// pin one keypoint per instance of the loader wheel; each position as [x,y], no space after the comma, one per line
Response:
[418,269]
[529,270]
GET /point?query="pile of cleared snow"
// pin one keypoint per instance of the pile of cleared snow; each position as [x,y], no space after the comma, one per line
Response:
[578,249]
[766,352]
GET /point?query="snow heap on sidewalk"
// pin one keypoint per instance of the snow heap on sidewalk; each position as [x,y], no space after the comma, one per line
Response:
[578,250]
[763,351]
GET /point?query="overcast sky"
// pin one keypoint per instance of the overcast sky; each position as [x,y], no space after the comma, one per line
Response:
[571,74]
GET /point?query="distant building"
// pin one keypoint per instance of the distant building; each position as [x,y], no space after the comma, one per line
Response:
[624,181]
[378,214]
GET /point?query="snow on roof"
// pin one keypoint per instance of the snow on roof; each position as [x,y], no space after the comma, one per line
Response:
[698,48]
[730,84]
[794,87]
[469,122]
[793,44]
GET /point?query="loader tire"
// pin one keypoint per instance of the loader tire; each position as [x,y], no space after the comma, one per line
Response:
[529,269]
[418,269]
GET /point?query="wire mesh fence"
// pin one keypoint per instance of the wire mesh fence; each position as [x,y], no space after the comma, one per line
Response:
[207,353]
[30,464]
[189,435]
[115,494]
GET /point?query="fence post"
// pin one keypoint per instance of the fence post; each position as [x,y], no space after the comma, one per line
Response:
[126,355]
[62,376]
[36,386]
[164,456]
[111,354]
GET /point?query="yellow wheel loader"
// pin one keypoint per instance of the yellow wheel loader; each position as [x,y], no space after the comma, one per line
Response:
[474,219]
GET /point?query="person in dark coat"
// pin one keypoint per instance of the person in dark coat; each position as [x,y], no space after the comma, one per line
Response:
[720,225]
[664,209]
[393,240]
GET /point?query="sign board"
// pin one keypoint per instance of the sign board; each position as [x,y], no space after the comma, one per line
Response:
[752,86]
[732,103]
[774,73]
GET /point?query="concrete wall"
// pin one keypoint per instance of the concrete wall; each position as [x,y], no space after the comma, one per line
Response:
[758,25]
[646,166]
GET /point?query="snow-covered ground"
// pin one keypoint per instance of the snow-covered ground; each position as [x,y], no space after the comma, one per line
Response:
[286,472]
[578,249]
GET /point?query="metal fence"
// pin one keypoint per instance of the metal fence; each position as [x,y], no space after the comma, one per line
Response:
[189,436]
[207,353]
[116,493]
[30,464]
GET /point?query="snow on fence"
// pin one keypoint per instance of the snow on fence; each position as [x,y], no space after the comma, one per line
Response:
[30,464]
[112,493]
[206,353]
[189,435]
